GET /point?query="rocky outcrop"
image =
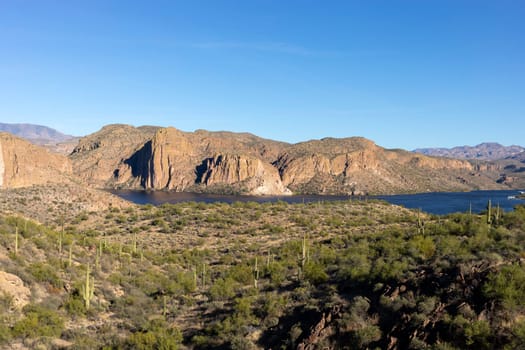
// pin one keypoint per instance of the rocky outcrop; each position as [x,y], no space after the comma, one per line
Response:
[177,160]
[253,174]
[24,164]
[13,287]
[321,331]
[172,162]
[97,156]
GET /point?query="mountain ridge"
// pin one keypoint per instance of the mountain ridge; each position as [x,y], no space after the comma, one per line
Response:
[52,139]
[165,158]
[38,134]
[482,151]
[172,159]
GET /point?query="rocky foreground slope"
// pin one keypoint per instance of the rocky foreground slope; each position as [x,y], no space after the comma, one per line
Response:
[121,156]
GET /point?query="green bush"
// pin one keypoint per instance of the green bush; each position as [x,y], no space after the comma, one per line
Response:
[222,289]
[38,322]
[315,273]
[507,286]
[45,273]
[159,336]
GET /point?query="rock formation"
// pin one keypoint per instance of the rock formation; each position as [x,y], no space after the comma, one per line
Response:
[98,155]
[121,156]
[177,160]
[24,164]
[12,286]
[259,177]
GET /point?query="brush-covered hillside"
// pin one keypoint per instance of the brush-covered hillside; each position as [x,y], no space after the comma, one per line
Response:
[327,275]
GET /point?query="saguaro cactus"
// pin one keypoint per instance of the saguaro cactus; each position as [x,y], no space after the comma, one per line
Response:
[203,275]
[134,243]
[256,274]
[420,225]
[88,288]
[70,256]
[489,212]
[304,256]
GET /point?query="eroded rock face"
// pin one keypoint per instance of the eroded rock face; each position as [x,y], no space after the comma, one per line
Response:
[176,160]
[257,176]
[97,156]
[24,164]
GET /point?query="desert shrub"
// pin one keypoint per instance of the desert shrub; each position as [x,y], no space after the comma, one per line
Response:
[507,286]
[5,332]
[222,289]
[38,322]
[517,340]
[45,273]
[241,273]
[315,273]
[477,334]
[362,337]
[155,334]
[276,272]
[421,247]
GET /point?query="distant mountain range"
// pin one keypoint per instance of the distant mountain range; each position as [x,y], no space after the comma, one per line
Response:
[37,134]
[51,139]
[483,151]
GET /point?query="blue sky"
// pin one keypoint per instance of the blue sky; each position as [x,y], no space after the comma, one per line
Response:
[404,74]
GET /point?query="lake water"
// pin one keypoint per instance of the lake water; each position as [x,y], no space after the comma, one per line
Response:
[434,202]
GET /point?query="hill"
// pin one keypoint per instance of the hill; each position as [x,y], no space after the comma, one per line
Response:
[121,156]
[156,158]
[483,151]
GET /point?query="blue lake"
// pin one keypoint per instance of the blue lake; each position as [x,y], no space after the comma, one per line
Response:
[434,202]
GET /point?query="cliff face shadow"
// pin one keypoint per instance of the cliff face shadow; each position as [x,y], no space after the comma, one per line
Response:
[140,163]
[200,171]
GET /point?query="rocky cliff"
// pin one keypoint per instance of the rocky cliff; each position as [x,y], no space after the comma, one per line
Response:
[166,158]
[24,164]
[247,174]
[177,160]
[97,156]
[122,156]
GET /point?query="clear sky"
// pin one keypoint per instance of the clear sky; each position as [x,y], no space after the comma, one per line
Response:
[405,74]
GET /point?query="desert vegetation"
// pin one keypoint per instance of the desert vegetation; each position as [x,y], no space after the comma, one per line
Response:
[352,274]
